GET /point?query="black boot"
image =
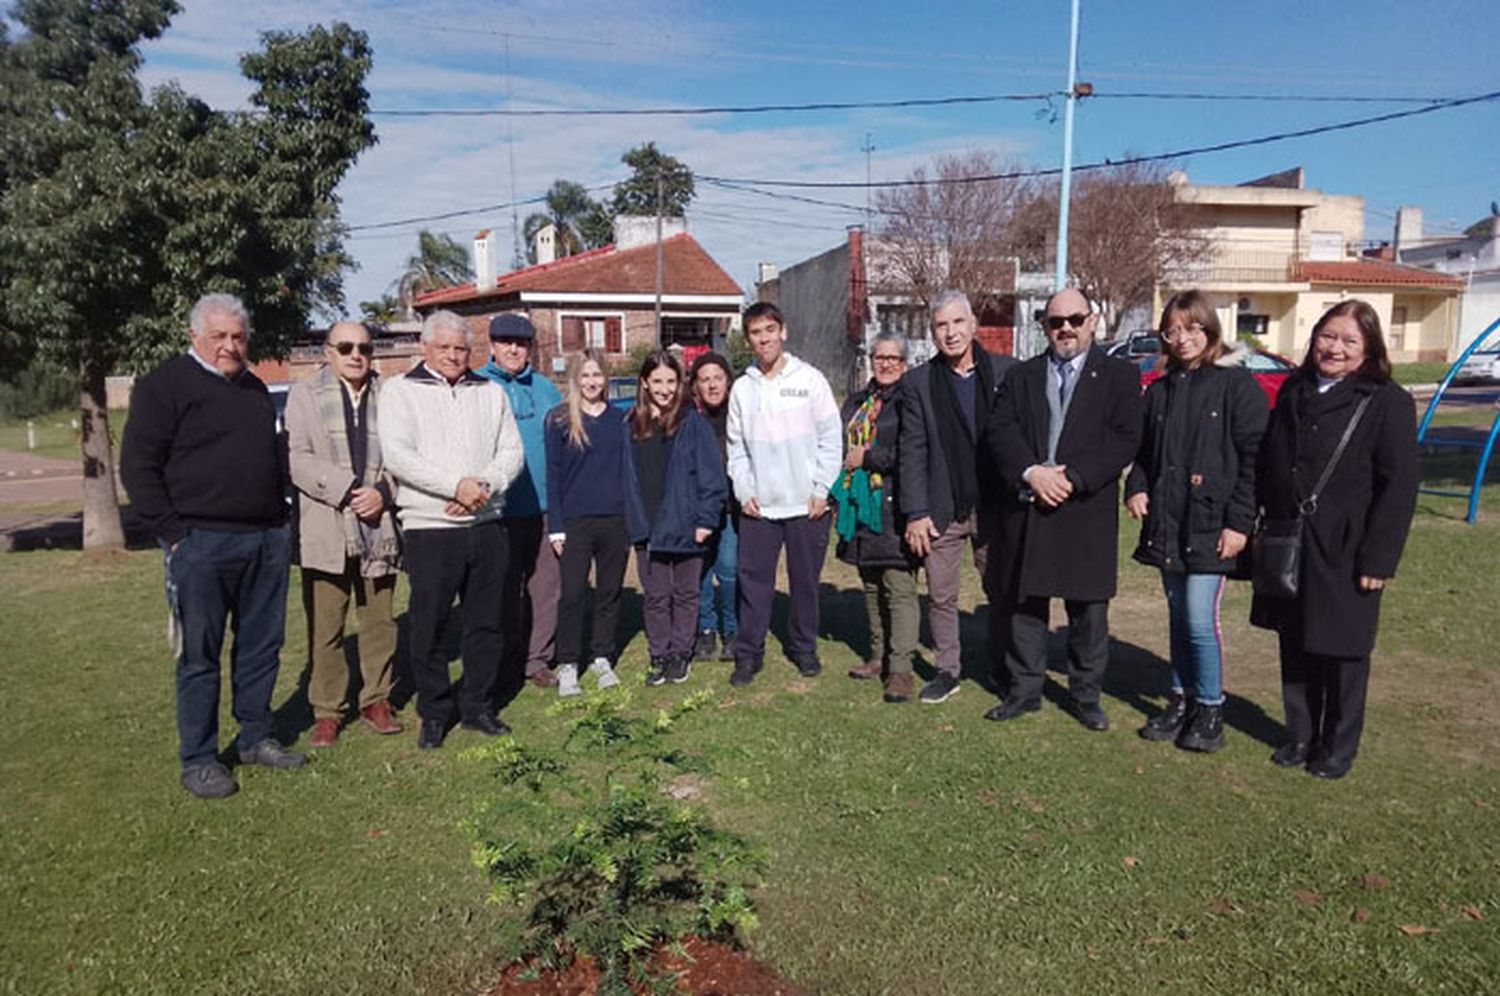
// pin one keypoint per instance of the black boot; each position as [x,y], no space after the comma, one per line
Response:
[706,645]
[1166,724]
[1205,731]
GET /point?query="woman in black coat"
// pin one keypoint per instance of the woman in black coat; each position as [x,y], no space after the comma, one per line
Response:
[872,425]
[1351,540]
[1193,482]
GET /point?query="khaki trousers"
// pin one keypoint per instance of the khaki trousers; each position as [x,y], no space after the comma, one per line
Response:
[325,598]
[895,615]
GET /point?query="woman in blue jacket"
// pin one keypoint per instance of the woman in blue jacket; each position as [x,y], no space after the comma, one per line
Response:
[674,496]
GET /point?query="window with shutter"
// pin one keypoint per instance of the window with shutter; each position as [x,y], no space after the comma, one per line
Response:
[572,335]
[614,336]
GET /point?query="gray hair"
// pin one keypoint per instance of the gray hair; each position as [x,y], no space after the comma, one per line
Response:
[217,304]
[950,296]
[896,337]
[440,321]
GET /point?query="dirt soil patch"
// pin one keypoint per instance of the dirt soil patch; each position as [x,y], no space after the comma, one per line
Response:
[711,969]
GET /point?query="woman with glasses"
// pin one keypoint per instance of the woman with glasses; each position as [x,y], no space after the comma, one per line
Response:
[1193,484]
[1353,528]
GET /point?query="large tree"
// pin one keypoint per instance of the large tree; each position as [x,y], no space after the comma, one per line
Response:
[951,227]
[438,262]
[580,221]
[637,194]
[116,211]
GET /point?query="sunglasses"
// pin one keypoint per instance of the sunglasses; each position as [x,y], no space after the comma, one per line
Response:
[345,348]
[1055,322]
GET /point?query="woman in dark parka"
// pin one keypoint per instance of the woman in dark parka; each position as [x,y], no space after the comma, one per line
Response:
[1351,541]
[1193,482]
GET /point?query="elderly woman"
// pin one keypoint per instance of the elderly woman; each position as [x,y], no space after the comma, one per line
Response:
[1193,482]
[1353,528]
[871,531]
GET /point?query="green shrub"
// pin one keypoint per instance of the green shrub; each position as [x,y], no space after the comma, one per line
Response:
[40,388]
[607,863]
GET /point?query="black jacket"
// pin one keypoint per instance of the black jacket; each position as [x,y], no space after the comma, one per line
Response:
[1068,551]
[693,491]
[1362,517]
[888,547]
[1199,437]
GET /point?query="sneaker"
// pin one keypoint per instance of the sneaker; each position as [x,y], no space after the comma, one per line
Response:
[325,733]
[1205,731]
[658,673]
[270,754]
[898,686]
[1167,724]
[567,680]
[939,689]
[209,781]
[703,649]
[809,667]
[679,667]
[604,675]
[744,672]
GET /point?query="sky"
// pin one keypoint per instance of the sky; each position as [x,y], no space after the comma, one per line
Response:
[631,54]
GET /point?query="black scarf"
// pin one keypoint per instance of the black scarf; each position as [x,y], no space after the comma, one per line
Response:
[959,445]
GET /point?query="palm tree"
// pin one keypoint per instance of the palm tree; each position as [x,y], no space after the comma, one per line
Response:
[439,262]
[581,222]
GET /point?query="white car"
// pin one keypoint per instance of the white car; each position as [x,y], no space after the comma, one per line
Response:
[1481,365]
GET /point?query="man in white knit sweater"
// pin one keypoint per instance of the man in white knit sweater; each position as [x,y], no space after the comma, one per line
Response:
[785,442]
[450,441]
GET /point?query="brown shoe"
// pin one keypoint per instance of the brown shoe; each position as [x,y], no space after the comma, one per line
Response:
[543,677]
[869,669]
[325,733]
[379,718]
[898,686]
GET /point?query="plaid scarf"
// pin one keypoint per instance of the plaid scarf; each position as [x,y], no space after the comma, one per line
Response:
[861,431]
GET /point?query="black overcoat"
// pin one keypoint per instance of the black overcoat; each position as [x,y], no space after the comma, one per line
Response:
[1068,551]
[1201,431]
[1363,514]
[888,547]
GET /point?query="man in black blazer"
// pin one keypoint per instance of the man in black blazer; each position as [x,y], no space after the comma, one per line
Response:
[948,490]
[1064,427]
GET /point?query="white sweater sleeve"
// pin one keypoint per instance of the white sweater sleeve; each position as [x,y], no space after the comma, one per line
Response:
[507,458]
[829,428]
[740,474]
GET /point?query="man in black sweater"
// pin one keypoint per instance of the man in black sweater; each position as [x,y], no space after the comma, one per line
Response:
[207,473]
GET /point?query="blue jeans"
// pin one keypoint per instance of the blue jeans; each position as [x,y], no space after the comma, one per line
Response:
[721,563]
[1197,644]
[217,576]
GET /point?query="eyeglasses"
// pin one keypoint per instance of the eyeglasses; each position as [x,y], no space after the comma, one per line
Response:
[1055,322]
[887,359]
[1173,334]
[345,348]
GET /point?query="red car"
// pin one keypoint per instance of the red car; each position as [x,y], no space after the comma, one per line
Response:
[1269,369]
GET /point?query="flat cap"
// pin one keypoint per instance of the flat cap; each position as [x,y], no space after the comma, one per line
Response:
[511,327]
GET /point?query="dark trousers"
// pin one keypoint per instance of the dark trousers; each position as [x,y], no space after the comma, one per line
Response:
[761,540]
[470,562]
[1324,698]
[529,604]
[1088,649]
[669,587]
[600,541]
[215,577]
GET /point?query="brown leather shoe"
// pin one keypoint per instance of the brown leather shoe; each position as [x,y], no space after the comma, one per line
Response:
[325,733]
[379,718]
[869,669]
[543,677]
[898,686]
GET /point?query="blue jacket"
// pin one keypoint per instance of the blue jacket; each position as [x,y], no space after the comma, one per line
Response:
[531,397]
[692,495]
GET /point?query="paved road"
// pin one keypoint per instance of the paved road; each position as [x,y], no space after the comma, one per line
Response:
[30,480]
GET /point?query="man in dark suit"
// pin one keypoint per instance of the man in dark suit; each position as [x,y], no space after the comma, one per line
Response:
[948,491]
[1064,427]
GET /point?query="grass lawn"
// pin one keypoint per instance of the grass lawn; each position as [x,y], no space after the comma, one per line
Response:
[55,435]
[1419,373]
[913,849]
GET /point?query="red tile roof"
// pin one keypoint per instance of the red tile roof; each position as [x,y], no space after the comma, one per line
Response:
[686,269]
[1375,273]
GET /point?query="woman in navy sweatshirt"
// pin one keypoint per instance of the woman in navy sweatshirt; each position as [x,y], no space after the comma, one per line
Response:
[674,497]
[587,447]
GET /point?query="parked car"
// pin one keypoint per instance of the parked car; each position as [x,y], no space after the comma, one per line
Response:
[1482,365]
[1135,345]
[1270,370]
[621,392]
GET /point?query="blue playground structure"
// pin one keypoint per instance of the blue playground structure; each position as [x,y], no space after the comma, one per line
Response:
[1486,448]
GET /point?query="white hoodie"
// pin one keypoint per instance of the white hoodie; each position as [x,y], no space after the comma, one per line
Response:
[785,438]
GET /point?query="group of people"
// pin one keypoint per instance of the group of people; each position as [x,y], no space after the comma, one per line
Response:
[488,485]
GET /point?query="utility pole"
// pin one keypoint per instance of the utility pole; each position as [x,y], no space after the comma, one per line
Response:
[867,148]
[659,343]
[1061,279]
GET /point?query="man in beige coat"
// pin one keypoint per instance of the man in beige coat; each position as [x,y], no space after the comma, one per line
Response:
[347,541]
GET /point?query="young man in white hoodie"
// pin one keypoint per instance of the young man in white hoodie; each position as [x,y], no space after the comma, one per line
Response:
[785,442]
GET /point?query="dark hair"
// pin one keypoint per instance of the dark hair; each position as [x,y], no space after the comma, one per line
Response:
[1377,364]
[1194,304]
[764,309]
[642,423]
[707,360]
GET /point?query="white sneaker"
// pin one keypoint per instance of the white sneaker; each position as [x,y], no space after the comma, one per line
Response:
[567,680]
[604,674]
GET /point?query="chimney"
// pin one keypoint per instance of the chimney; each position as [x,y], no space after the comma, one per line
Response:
[485,249]
[1408,229]
[766,272]
[633,230]
[544,244]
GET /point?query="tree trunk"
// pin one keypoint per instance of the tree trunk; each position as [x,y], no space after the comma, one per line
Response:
[102,529]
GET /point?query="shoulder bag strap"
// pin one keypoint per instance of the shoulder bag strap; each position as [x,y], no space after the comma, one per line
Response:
[1310,503]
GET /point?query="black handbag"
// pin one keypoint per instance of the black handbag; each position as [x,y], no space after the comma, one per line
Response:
[1276,549]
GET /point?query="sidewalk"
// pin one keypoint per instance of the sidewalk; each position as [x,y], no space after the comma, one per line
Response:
[32,480]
